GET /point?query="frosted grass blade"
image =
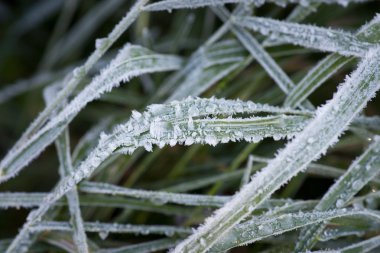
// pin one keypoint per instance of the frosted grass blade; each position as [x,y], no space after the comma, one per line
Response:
[74,80]
[145,247]
[360,172]
[261,227]
[181,4]
[328,66]
[63,149]
[130,62]
[155,196]
[322,39]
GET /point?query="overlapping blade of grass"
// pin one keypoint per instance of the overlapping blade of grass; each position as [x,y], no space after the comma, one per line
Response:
[215,63]
[315,169]
[319,38]
[145,247]
[63,150]
[361,247]
[19,87]
[323,131]
[184,122]
[34,16]
[73,81]
[79,34]
[158,197]
[329,65]
[130,62]
[257,51]
[361,171]
[181,4]
[171,124]
[106,228]
[263,226]
[31,200]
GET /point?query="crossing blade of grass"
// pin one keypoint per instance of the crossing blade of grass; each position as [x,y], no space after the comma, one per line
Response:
[323,131]
[145,247]
[216,62]
[361,171]
[328,66]
[22,86]
[315,169]
[106,228]
[72,82]
[170,124]
[130,62]
[30,200]
[155,196]
[322,39]
[63,150]
[297,15]
[73,42]
[256,50]
[180,4]
[361,247]
[261,227]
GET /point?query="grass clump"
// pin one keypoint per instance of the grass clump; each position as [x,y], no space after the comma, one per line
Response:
[238,125]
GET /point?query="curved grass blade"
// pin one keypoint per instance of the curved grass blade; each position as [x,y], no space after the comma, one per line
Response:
[261,227]
[360,172]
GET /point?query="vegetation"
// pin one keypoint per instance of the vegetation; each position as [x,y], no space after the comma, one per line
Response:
[190,126]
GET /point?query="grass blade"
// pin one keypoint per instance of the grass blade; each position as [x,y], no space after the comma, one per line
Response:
[130,62]
[72,82]
[322,39]
[262,227]
[361,171]
[328,66]
[180,4]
